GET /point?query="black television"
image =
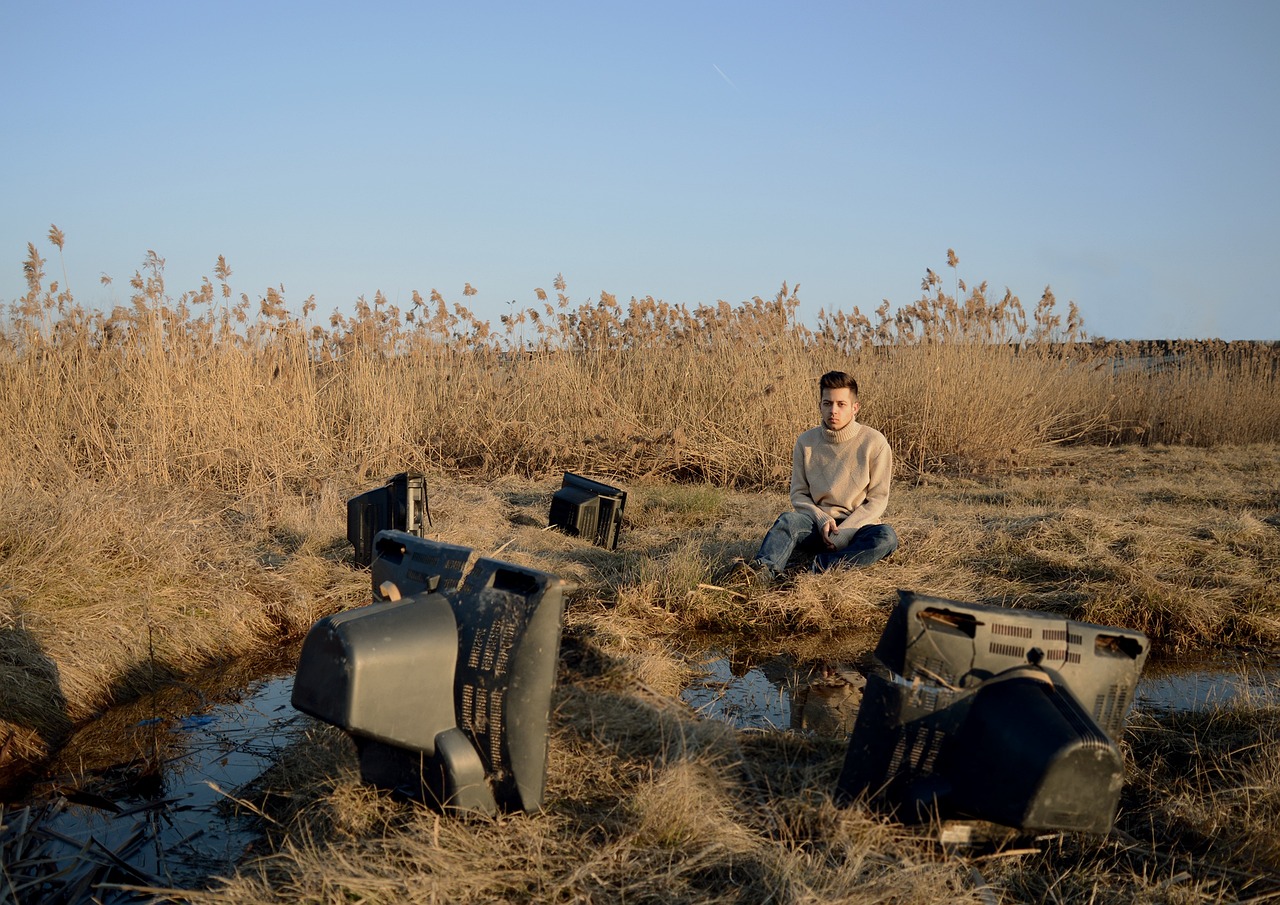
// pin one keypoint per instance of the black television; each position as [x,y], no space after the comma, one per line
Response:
[586,508]
[399,505]
[444,681]
[1010,716]
[412,568]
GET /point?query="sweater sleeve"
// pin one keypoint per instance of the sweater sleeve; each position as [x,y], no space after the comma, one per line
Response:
[879,473]
[801,493]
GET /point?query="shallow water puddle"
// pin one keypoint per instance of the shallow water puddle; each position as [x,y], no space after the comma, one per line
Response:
[1210,686]
[823,698]
[142,796]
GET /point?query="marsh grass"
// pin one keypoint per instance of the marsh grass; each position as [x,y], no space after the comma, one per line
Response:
[1169,540]
[110,591]
[1212,782]
[634,776]
[173,475]
[645,803]
[199,388]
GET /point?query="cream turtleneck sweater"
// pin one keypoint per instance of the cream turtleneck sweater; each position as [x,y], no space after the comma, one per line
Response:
[842,475]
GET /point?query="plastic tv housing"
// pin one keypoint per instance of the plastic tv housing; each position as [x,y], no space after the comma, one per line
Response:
[586,508]
[1008,716]
[444,682]
[399,505]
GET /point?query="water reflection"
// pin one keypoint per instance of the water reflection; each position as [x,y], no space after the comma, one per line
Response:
[823,697]
[777,693]
[1209,686]
[144,796]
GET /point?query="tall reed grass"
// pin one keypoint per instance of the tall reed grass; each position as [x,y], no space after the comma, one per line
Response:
[210,388]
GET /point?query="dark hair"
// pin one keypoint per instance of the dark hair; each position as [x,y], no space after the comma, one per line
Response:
[836,380]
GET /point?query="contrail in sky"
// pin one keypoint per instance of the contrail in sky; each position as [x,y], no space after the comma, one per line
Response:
[725,77]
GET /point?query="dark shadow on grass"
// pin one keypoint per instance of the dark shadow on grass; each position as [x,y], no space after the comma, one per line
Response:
[31,702]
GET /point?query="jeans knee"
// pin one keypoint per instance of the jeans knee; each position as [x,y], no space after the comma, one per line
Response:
[869,545]
[880,541]
[795,522]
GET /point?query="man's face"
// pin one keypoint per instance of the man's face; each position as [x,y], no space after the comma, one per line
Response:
[838,408]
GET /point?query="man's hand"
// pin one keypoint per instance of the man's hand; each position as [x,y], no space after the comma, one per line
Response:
[828,529]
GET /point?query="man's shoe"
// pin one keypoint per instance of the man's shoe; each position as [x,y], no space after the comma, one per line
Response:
[748,574]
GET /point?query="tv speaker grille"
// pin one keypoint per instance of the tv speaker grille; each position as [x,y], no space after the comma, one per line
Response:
[1007,650]
[1062,655]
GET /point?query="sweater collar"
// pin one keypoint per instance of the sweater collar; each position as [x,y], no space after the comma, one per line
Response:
[840,436]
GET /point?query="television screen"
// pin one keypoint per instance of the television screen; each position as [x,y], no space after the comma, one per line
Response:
[447,691]
[1003,715]
[586,508]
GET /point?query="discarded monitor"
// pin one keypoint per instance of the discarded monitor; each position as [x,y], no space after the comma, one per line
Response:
[586,508]
[399,505]
[446,689]
[412,567]
[1009,716]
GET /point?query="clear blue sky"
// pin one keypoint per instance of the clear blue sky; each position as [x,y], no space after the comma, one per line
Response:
[1125,153]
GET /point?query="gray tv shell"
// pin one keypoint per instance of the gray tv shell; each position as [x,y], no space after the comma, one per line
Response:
[414,567]
[576,493]
[362,670]
[947,716]
[958,644]
[446,691]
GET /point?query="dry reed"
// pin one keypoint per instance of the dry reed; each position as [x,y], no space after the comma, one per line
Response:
[201,390]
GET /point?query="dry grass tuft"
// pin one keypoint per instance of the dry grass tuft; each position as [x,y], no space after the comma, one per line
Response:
[1211,780]
[688,807]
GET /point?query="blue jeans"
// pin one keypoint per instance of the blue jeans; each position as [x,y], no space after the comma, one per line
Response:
[871,543]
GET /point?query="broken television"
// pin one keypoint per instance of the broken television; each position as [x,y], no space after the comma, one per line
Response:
[444,681]
[986,712]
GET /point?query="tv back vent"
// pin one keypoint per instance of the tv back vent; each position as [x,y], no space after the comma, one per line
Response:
[960,644]
[589,509]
